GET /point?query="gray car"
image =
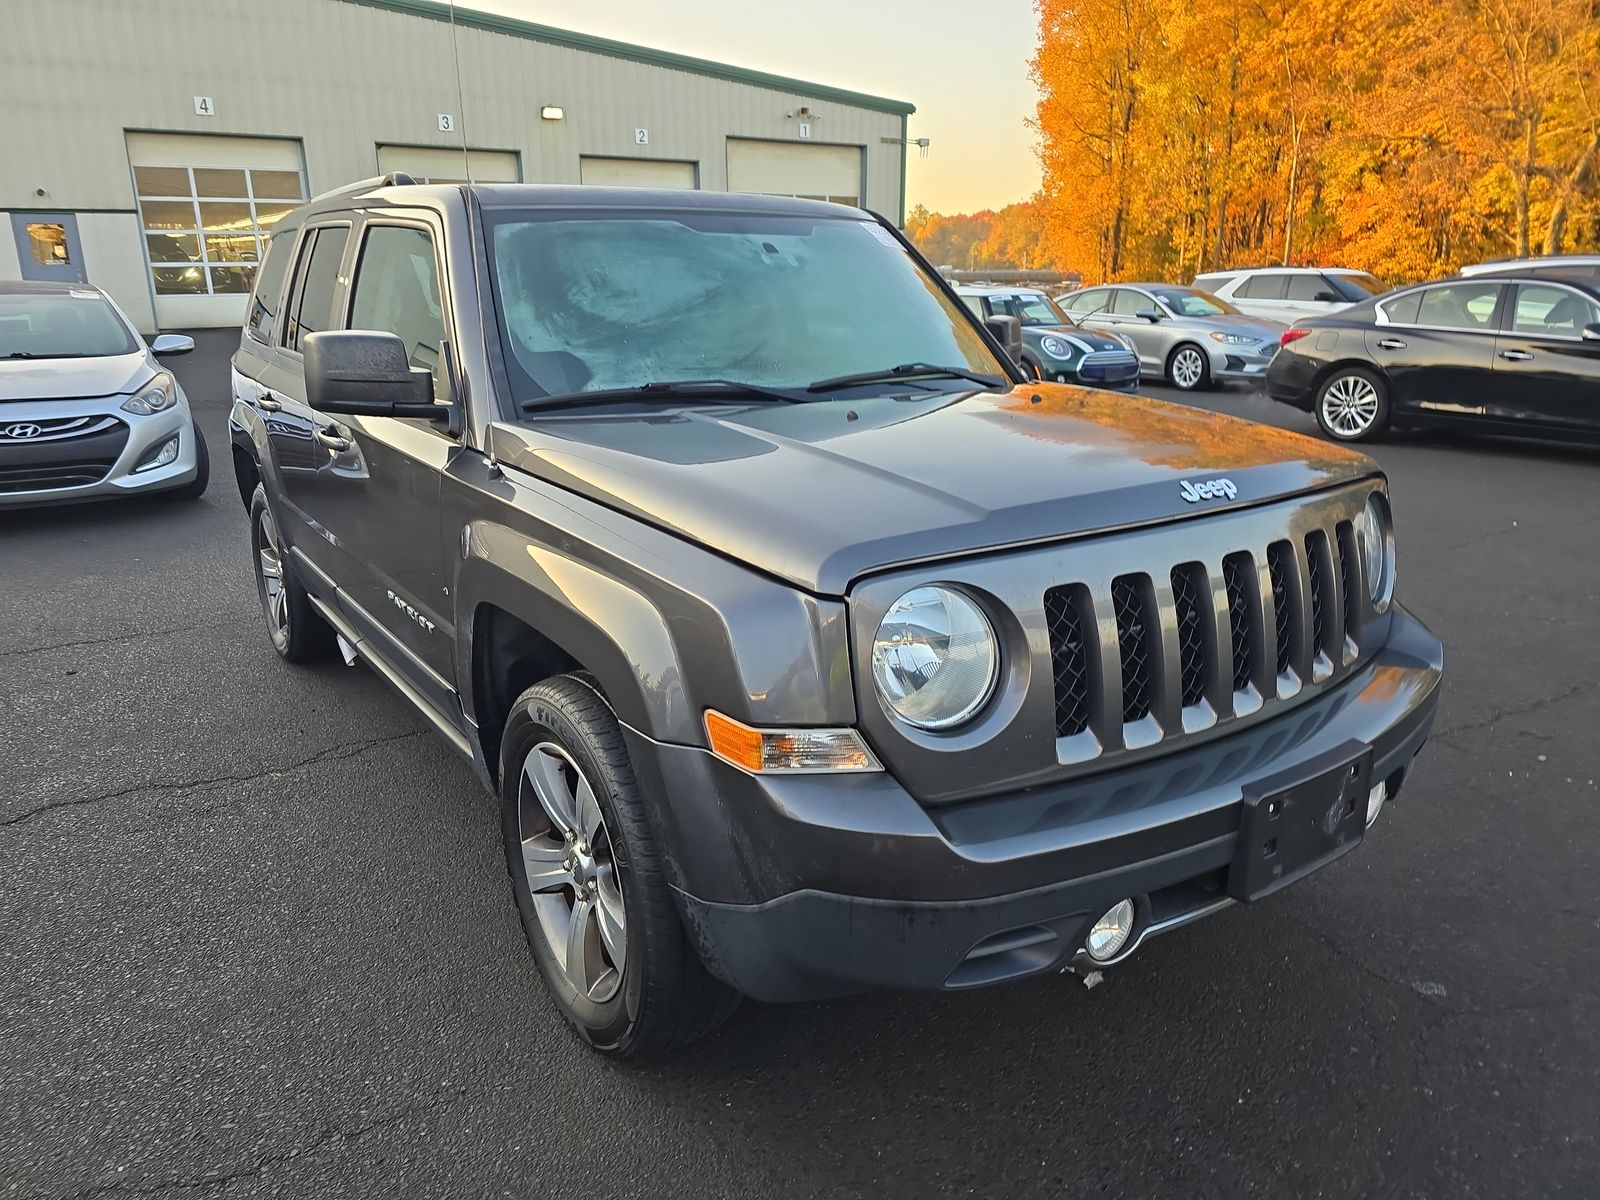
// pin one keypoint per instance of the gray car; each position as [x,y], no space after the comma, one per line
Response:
[806,651]
[1190,338]
[87,412]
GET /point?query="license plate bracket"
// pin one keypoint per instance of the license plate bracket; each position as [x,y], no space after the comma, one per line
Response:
[1296,824]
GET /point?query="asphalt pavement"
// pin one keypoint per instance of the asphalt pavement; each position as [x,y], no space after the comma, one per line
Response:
[256,939]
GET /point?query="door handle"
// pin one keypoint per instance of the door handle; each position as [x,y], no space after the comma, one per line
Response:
[1391,344]
[331,440]
[267,402]
[1516,355]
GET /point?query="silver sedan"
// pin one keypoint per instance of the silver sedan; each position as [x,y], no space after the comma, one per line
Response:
[1189,338]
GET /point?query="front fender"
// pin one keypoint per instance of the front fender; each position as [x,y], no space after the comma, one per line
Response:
[667,628]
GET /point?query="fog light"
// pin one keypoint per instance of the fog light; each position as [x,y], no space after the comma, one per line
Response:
[167,454]
[1111,932]
[1375,799]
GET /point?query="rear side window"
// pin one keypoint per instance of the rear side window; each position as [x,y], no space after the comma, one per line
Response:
[1460,306]
[1269,285]
[397,291]
[1210,283]
[1090,302]
[1402,310]
[312,302]
[1311,287]
[264,303]
[975,304]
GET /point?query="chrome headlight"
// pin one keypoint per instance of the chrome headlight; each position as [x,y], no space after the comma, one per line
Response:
[935,658]
[1233,339]
[1055,347]
[160,394]
[1375,545]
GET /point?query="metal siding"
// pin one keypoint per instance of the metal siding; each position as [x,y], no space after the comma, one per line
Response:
[344,77]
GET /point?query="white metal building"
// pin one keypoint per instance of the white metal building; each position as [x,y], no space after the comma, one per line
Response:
[146,146]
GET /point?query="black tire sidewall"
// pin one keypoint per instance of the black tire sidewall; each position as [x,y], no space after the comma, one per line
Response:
[1379,422]
[1200,384]
[538,716]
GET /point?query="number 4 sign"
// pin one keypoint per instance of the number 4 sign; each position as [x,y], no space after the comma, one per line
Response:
[203,107]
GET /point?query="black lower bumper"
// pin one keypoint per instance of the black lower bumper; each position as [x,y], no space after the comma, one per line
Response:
[833,886]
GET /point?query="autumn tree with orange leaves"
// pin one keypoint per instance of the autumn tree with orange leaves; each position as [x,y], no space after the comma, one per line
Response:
[1180,136]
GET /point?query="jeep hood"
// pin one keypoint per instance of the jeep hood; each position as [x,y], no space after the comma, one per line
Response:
[820,494]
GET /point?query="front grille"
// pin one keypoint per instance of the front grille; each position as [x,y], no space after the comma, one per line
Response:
[1135,633]
[1069,659]
[1238,573]
[1273,638]
[1281,565]
[1188,586]
[44,476]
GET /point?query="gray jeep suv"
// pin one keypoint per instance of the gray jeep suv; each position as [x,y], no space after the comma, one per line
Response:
[808,646]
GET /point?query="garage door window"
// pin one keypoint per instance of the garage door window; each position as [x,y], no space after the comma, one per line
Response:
[203,226]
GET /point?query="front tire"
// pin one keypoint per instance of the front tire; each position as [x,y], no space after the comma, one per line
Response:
[1188,368]
[589,879]
[297,631]
[1353,405]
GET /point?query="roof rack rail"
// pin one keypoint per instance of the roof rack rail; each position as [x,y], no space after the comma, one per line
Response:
[392,179]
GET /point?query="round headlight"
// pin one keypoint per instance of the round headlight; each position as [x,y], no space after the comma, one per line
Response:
[1371,528]
[1055,347]
[935,659]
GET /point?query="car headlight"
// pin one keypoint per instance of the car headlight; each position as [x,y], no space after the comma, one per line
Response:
[1375,545]
[160,394]
[1233,339]
[935,658]
[1055,347]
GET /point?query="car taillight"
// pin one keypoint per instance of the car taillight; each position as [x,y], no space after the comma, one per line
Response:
[1292,334]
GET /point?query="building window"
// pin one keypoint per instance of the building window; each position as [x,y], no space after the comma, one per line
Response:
[204,227]
[47,242]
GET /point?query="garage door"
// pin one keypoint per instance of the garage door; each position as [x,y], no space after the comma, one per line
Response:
[636,172]
[439,164]
[791,169]
[204,204]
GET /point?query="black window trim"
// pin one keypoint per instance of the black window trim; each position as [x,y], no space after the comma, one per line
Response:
[341,281]
[427,222]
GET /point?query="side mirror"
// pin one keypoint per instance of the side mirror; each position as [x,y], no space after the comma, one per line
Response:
[1149,314]
[1326,298]
[358,373]
[172,343]
[1008,332]
[1591,333]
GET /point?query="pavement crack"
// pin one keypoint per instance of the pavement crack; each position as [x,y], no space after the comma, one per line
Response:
[327,754]
[263,1162]
[136,635]
[1499,715]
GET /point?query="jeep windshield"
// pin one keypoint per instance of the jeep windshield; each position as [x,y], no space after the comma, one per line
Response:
[614,300]
[66,324]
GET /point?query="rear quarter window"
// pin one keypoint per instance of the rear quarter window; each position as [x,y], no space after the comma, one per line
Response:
[267,298]
[1402,310]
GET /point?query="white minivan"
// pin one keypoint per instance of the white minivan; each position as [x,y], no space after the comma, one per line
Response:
[1289,293]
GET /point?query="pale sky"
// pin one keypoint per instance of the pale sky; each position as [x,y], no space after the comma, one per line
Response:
[963,64]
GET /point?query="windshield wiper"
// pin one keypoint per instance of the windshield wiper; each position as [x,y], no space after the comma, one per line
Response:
[917,370]
[729,390]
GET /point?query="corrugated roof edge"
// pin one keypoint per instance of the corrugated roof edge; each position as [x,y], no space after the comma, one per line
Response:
[495,23]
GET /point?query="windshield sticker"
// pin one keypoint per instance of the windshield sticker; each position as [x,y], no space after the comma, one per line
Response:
[77,295]
[882,234]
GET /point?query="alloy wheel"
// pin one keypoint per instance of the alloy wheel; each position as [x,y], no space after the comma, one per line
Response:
[572,872]
[1187,368]
[1350,405]
[269,569]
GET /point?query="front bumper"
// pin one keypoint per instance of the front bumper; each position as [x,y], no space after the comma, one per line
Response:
[49,472]
[1240,363]
[802,887]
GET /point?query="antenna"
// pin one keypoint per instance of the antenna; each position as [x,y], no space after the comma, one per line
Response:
[461,102]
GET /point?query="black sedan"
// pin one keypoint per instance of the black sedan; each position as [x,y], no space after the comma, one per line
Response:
[1510,354]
